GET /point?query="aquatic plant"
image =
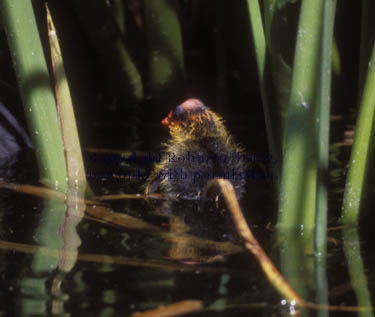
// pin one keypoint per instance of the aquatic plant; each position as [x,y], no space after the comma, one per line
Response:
[35,89]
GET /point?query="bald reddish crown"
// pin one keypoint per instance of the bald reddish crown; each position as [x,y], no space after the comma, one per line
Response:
[185,110]
[190,106]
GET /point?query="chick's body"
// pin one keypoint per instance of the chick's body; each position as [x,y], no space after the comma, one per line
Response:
[200,149]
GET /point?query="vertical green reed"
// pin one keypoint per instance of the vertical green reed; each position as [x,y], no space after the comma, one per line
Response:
[357,271]
[358,190]
[73,154]
[37,96]
[362,149]
[296,218]
[280,45]
[367,39]
[360,175]
[119,14]
[324,99]
[300,84]
[298,180]
[107,40]
[166,72]
[274,139]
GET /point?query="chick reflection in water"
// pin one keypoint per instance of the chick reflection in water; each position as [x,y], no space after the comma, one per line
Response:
[200,149]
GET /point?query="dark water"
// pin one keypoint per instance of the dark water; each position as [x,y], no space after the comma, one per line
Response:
[119,269]
[153,271]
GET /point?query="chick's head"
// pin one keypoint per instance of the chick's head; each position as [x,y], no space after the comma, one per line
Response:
[193,120]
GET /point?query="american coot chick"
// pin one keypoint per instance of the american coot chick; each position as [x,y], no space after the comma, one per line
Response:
[200,149]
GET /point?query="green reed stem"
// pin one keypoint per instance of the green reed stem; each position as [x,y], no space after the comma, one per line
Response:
[357,272]
[119,14]
[273,135]
[298,180]
[72,148]
[279,41]
[367,40]
[324,98]
[164,48]
[362,150]
[35,88]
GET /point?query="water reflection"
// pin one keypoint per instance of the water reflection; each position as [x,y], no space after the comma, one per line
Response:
[56,233]
[134,256]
